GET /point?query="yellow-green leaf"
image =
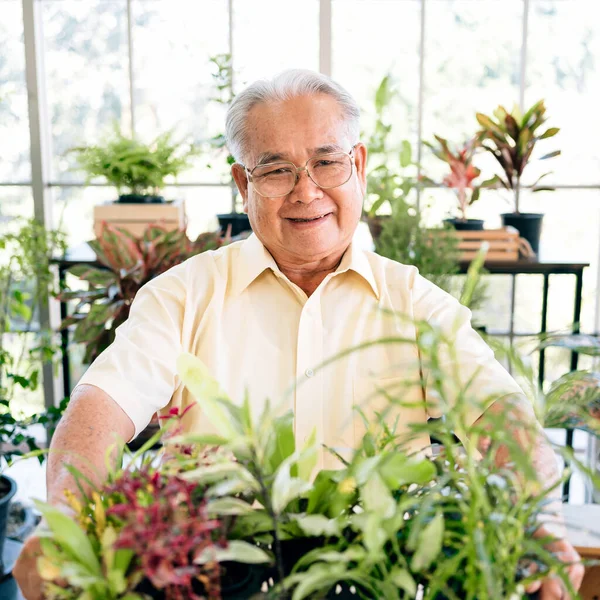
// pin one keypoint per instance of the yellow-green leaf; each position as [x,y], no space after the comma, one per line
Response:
[70,537]
[206,389]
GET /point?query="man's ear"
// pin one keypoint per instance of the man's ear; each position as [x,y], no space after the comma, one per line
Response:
[239,176]
[360,160]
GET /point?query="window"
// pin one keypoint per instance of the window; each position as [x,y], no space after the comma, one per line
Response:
[145,64]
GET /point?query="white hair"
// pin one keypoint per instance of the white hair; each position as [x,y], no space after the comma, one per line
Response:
[289,84]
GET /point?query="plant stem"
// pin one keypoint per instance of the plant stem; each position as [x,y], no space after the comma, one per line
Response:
[517,194]
[269,508]
[462,202]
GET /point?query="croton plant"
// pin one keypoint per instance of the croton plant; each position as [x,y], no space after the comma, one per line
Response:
[511,138]
[242,513]
[126,263]
[463,172]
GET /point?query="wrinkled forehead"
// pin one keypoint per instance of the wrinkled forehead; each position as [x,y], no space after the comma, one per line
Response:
[295,129]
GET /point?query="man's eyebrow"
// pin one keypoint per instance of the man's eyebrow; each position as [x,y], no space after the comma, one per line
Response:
[269,157]
[326,149]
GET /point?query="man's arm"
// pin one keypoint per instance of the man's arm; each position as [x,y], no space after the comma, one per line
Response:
[92,423]
[524,428]
[517,413]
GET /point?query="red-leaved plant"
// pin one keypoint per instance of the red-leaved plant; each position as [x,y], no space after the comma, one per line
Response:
[125,264]
[462,171]
[165,523]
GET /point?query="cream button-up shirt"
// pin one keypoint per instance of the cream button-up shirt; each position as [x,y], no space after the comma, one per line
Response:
[259,333]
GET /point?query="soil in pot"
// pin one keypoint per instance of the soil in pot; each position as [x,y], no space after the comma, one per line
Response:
[239,223]
[465,225]
[140,199]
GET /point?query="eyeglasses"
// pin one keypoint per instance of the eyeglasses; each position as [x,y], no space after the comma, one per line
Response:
[327,171]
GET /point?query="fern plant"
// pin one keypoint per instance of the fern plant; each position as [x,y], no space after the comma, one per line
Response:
[131,165]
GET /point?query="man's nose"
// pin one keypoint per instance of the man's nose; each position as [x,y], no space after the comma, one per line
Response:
[306,189]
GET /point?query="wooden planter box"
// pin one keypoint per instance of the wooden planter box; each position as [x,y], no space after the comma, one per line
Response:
[503,244]
[135,218]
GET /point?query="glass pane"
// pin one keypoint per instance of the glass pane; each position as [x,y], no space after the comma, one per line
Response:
[15,162]
[15,201]
[494,312]
[172,45]
[272,35]
[25,402]
[528,303]
[202,205]
[472,64]
[567,76]
[74,208]
[86,75]
[360,64]
[570,235]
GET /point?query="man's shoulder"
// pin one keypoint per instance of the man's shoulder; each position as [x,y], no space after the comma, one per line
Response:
[206,267]
[391,273]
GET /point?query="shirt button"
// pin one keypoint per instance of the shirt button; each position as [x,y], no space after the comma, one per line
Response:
[309,372]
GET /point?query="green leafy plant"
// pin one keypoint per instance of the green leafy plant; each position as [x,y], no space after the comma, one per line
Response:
[26,280]
[573,400]
[129,164]
[511,138]
[224,95]
[126,264]
[406,239]
[392,173]
[462,171]
[384,523]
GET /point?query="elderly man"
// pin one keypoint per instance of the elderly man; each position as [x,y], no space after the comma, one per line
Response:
[264,312]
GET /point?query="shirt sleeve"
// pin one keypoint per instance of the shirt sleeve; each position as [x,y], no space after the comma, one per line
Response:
[465,360]
[138,370]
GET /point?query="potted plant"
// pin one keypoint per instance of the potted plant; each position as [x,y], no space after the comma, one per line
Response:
[461,179]
[25,281]
[383,524]
[126,263]
[235,222]
[511,138]
[136,169]
[392,173]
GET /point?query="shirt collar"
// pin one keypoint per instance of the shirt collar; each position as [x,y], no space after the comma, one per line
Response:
[356,260]
[254,259]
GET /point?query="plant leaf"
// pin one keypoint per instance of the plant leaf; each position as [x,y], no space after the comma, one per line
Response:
[429,544]
[206,390]
[71,537]
[236,551]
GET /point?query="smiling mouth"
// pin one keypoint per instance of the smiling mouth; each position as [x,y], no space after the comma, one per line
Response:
[309,220]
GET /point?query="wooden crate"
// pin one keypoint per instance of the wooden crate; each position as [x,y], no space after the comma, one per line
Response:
[503,244]
[136,217]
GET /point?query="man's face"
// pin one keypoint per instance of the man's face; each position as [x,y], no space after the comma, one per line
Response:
[294,131]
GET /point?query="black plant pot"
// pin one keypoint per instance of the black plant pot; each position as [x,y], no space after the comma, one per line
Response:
[21,521]
[529,226]
[8,489]
[239,223]
[238,582]
[468,225]
[140,199]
